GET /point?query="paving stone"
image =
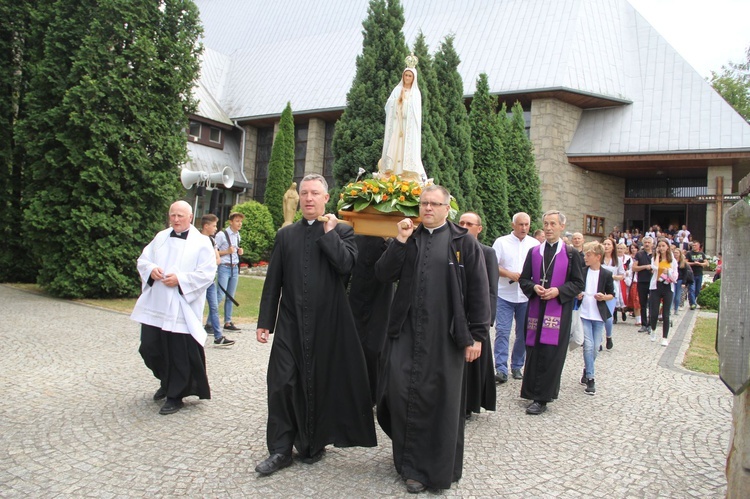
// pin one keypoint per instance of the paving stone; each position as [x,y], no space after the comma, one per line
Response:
[78,420]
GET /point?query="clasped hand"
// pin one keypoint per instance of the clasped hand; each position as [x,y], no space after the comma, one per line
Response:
[545,293]
[167,279]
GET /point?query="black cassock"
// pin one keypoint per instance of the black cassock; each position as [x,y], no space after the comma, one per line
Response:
[370,300]
[318,391]
[544,363]
[421,397]
[480,374]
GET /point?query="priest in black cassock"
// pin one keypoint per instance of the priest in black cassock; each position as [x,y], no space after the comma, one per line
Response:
[370,300]
[480,374]
[552,277]
[318,391]
[439,317]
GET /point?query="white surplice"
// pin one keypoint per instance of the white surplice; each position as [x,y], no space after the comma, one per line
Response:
[194,262]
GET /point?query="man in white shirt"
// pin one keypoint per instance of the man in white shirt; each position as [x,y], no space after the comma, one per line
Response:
[511,251]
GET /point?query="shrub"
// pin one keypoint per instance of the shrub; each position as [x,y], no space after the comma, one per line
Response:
[257,232]
[709,296]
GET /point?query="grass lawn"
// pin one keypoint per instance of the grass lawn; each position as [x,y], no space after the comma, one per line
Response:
[701,355]
[248,295]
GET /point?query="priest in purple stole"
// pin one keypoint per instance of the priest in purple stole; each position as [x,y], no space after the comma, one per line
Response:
[552,277]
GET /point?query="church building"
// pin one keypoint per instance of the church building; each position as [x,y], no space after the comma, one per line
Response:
[625,132]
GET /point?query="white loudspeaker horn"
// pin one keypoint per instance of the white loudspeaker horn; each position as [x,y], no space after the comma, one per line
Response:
[189,177]
[226,177]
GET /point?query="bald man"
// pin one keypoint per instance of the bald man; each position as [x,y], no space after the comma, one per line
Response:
[176,268]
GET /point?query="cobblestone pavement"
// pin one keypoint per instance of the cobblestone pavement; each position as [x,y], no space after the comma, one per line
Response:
[77,419]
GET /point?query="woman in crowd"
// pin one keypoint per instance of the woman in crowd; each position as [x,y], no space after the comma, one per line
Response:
[612,263]
[633,301]
[684,279]
[627,279]
[664,267]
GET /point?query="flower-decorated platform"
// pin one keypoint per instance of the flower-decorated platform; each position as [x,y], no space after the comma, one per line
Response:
[375,205]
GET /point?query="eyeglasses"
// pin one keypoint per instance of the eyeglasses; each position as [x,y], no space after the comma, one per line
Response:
[434,204]
[464,223]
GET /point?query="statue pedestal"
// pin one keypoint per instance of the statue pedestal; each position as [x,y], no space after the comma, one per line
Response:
[371,222]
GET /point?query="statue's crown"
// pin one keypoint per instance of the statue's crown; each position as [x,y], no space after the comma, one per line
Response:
[411,60]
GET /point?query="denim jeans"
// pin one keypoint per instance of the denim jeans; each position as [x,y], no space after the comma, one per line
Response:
[228,277]
[213,310]
[592,338]
[506,311]
[695,289]
[677,295]
[608,323]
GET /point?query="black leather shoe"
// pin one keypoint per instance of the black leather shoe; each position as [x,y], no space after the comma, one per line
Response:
[536,408]
[516,373]
[314,458]
[501,377]
[414,487]
[171,406]
[274,463]
[160,394]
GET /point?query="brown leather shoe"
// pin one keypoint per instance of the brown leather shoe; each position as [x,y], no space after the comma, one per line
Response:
[414,487]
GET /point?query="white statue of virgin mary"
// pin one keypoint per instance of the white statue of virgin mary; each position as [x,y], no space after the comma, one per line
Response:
[402,144]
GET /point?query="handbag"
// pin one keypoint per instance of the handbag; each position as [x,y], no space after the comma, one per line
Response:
[576,329]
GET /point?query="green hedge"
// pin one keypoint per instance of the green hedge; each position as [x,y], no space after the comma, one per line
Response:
[257,231]
[709,296]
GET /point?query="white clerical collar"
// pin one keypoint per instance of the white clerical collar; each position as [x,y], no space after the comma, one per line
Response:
[434,228]
[309,222]
[556,245]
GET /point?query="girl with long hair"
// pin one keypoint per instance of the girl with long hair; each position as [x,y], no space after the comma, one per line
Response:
[611,262]
[664,275]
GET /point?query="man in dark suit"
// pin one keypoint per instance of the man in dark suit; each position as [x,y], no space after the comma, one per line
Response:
[479,375]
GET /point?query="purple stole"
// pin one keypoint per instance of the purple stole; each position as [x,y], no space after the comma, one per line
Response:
[550,333]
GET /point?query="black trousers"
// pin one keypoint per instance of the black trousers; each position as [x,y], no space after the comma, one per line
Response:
[643,293]
[177,360]
[662,292]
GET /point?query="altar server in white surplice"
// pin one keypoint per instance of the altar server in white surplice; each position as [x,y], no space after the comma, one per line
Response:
[176,268]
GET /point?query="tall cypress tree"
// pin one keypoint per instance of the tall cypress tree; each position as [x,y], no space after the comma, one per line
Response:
[110,118]
[524,192]
[433,114]
[358,138]
[19,49]
[280,167]
[489,165]
[459,165]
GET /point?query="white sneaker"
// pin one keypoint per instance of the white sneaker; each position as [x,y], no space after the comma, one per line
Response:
[664,342]
[653,335]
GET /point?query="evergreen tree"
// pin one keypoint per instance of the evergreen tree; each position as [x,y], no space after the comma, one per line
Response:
[458,174]
[18,48]
[489,163]
[433,122]
[524,192]
[280,167]
[107,113]
[358,139]
[733,83]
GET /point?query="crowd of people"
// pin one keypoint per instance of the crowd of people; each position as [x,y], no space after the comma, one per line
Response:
[432,362]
